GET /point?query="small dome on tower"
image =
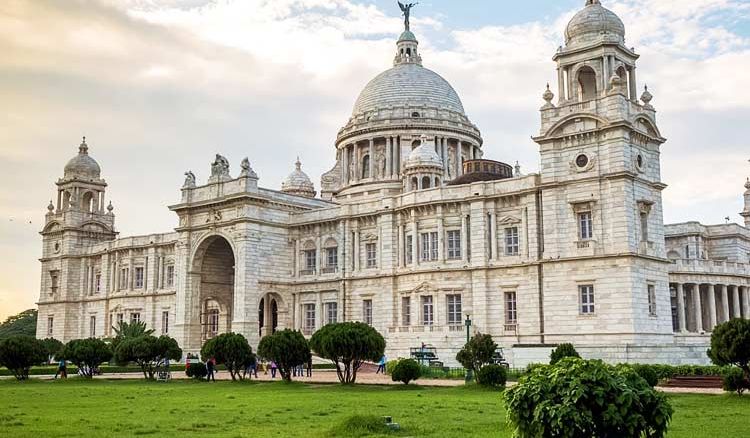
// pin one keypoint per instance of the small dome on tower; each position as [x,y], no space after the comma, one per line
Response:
[298,183]
[82,166]
[424,155]
[407,35]
[594,23]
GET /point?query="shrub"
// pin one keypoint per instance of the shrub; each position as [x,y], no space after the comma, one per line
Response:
[730,345]
[405,371]
[196,370]
[734,381]
[87,354]
[18,353]
[148,352]
[130,330]
[492,376]
[562,351]
[53,347]
[577,397]
[348,345]
[231,350]
[390,365]
[287,348]
[477,353]
[648,373]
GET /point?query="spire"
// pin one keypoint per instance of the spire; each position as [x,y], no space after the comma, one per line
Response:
[298,164]
[83,148]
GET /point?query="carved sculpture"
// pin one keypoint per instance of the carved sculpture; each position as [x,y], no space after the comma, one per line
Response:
[406,9]
[189,180]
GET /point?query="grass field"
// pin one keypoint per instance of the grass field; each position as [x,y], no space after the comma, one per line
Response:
[96,408]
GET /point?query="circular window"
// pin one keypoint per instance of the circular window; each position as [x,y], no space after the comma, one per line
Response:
[582,160]
[639,160]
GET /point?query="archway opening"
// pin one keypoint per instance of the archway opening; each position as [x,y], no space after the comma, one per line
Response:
[587,83]
[215,262]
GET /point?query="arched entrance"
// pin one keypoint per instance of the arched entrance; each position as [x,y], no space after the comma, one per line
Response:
[268,314]
[214,262]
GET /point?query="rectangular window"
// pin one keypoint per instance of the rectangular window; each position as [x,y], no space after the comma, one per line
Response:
[164,322]
[511,313]
[427,310]
[124,278]
[309,312]
[454,244]
[50,325]
[409,250]
[367,312]
[310,256]
[644,226]
[92,326]
[213,323]
[135,317]
[511,241]
[120,318]
[406,311]
[332,310]
[585,226]
[98,283]
[371,251]
[138,277]
[454,309]
[587,299]
[651,300]
[170,275]
[332,257]
[429,246]
[54,277]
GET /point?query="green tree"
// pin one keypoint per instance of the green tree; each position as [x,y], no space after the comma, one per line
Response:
[492,376]
[148,352]
[405,371]
[87,354]
[287,348]
[348,345]
[477,353]
[231,350]
[129,330]
[22,324]
[562,351]
[19,353]
[53,347]
[730,345]
[580,398]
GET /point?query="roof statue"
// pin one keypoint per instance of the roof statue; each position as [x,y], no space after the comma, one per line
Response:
[247,171]
[406,9]
[219,169]
[189,180]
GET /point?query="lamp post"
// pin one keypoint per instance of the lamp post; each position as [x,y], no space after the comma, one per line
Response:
[469,376]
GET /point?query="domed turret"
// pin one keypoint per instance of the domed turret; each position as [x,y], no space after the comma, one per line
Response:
[82,166]
[298,183]
[594,23]
[423,168]
[423,156]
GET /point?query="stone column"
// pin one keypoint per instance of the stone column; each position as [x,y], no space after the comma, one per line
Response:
[401,250]
[296,259]
[355,158]
[414,239]
[388,157]
[736,302]
[712,306]
[355,253]
[319,310]
[319,253]
[441,234]
[464,238]
[633,85]
[459,165]
[560,86]
[681,326]
[397,158]
[371,146]
[605,75]
[724,304]
[493,233]
[345,165]
[698,308]
[444,145]
[746,302]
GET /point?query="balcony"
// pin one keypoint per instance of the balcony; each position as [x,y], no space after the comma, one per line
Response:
[511,328]
[695,266]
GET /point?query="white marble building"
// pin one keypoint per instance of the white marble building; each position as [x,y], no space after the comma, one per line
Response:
[414,230]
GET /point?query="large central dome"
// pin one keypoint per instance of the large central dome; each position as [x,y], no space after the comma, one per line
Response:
[408,85]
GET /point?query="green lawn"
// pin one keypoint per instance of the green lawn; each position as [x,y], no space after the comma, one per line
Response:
[78,408]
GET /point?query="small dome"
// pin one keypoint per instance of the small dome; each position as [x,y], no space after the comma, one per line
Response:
[298,183]
[82,166]
[423,155]
[594,23]
[407,36]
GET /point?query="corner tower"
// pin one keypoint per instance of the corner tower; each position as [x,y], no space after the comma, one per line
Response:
[601,192]
[746,212]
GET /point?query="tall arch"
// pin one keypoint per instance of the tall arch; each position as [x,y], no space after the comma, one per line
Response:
[213,267]
[587,89]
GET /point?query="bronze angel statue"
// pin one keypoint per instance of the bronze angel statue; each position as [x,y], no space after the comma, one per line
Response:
[406,9]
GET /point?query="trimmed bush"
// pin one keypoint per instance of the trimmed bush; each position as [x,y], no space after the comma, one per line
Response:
[477,353]
[231,350]
[196,370]
[586,398]
[87,354]
[492,376]
[730,345]
[734,381]
[348,345]
[287,348]
[406,370]
[18,354]
[53,347]
[562,351]
[648,373]
[148,352]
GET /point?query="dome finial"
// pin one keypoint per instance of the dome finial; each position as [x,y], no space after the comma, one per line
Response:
[406,10]
[298,164]
[592,2]
[83,148]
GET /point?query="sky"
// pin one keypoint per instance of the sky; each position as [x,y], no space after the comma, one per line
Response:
[160,86]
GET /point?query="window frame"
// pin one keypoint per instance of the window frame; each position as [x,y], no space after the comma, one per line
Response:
[135,317]
[586,300]
[139,277]
[454,244]
[50,325]
[367,311]
[428,310]
[311,256]
[512,241]
[454,309]
[332,257]
[165,322]
[585,220]
[92,326]
[409,249]
[651,297]
[309,320]
[170,275]
[331,312]
[406,311]
[510,300]
[371,255]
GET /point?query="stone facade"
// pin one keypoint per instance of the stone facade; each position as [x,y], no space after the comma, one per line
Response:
[414,231]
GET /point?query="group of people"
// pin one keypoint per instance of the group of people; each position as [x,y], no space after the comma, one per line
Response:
[252,367]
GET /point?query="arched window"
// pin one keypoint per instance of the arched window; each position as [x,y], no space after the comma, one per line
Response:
[586,84]
[87,202]
[437,182]
[414,183]
[365,166]
[425,182]
[66,200]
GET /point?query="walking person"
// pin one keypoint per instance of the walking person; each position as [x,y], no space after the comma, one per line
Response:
[273,369]
[255,366]
[62,370]
[210,364]
[381,365]
[309,367]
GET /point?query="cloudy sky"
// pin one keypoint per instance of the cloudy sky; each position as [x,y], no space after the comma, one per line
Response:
[159,86]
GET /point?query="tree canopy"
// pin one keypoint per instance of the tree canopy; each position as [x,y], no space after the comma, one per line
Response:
[730,345]
[287,348]
[348,345]
[478,352]
[22,324]
[87,354]
[19,353]
[230,349]
[562,351]
[148,352]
